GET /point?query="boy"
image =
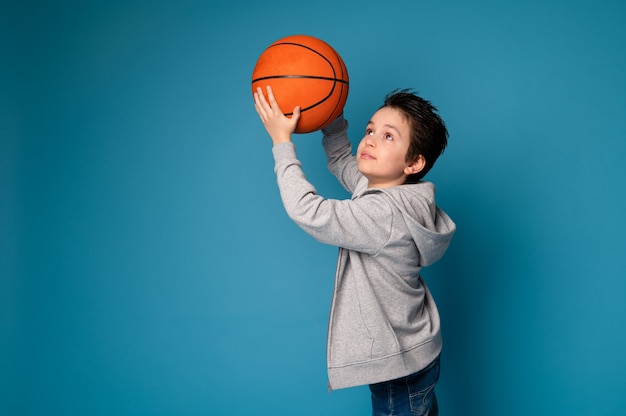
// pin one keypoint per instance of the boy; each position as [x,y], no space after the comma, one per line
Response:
[384,326]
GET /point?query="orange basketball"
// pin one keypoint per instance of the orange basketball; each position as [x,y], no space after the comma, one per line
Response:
[306,71]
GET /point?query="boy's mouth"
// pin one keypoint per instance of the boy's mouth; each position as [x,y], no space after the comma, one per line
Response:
[367,156]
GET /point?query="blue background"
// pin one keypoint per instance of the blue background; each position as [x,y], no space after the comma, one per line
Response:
[147,265]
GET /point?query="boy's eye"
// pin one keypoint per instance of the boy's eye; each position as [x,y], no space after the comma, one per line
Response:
[388,136]
[369,132]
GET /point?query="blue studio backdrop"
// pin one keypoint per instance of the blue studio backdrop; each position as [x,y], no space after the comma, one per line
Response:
[147,265]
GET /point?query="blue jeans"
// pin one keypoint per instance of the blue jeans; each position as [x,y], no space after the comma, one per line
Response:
[413,395]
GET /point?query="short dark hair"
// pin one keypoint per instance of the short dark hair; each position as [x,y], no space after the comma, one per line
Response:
[429,135]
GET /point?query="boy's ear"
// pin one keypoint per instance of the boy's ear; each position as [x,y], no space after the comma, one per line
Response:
[415,166]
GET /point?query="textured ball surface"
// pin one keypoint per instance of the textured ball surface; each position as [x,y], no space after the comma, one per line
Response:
[306,71]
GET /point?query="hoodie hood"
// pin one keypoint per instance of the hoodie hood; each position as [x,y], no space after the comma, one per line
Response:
[431,228]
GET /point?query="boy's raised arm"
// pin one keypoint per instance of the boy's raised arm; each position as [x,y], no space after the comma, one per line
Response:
[278,126]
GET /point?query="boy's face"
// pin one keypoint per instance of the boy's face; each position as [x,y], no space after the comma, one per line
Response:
[381,155]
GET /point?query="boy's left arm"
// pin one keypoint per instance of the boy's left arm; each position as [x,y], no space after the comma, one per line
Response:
[278,126]
[347,223]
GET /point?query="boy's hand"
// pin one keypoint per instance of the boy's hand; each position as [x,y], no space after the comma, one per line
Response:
[278,126]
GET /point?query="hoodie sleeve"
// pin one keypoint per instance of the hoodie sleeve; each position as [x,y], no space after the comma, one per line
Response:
[363,224]
[341,161]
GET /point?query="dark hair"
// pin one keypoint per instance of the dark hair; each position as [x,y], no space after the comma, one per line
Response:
[429,135]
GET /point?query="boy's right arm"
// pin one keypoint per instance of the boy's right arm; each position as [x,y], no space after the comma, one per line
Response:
[341,161]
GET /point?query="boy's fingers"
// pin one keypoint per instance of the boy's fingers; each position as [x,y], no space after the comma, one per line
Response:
[273,103]
[257,105]
[262,102]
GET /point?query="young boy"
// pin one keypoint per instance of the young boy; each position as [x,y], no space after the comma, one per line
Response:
[384,326]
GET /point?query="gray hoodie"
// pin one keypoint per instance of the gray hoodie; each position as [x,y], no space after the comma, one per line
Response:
[383,322]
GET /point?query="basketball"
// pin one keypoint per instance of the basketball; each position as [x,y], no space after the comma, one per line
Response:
[307,72]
